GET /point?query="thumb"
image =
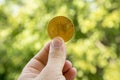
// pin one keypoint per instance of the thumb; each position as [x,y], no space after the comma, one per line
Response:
[57,54]
[56,61]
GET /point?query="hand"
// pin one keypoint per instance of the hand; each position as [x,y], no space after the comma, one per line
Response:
[49,64]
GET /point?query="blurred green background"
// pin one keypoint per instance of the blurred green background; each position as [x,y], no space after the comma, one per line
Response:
[94,50]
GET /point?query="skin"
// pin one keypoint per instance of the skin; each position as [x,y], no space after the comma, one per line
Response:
[49,64]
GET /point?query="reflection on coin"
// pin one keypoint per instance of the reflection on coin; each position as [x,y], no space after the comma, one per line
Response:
[61,26]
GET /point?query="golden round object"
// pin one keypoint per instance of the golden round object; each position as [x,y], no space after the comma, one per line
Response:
[61,26]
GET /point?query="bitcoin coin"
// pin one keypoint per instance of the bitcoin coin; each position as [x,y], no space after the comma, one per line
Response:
[60,26]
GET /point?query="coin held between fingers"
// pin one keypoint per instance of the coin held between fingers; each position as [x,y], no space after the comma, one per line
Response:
[60,26]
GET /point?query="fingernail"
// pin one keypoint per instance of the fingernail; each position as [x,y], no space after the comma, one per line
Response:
[57,42]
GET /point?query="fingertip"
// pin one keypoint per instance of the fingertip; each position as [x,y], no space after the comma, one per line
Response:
[74,71]
[67,66]
[58,43]
[71,74]
[68,62]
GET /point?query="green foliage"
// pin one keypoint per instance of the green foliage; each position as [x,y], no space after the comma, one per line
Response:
[94,49]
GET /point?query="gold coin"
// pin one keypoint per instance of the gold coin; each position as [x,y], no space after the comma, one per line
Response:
[61,26]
